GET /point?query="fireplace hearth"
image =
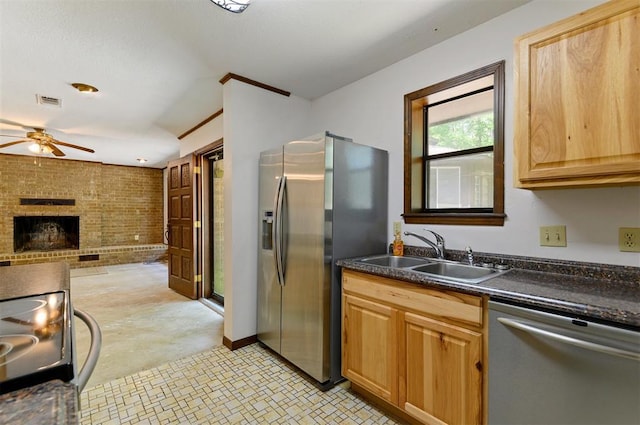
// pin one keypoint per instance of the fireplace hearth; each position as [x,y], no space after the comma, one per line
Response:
[45,233]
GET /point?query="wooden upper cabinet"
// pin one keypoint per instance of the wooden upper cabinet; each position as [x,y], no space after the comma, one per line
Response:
[577,118]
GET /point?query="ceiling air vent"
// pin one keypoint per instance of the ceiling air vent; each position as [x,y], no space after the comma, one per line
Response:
[48,100]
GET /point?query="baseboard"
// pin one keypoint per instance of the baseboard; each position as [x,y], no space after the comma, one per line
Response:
[234,345]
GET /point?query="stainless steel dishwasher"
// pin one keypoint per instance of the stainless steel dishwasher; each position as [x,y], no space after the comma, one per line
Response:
[551,369]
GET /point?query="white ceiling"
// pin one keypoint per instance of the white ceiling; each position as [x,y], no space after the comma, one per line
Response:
[157,63]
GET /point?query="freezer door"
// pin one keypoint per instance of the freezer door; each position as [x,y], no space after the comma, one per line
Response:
[305,296]
[269,290]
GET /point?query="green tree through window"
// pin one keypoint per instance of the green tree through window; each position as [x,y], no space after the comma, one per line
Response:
[467,133]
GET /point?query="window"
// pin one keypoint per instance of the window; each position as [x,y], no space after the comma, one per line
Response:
[454,150]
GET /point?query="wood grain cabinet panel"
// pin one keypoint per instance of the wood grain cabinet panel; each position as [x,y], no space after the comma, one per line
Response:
[418,348]
[577,100]
[442,372]
[370,341]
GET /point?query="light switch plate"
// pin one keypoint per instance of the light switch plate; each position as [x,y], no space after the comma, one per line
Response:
[553,236]
[629,239]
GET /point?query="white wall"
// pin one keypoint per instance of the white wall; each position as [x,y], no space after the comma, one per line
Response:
[208,133]
[371,112]
[254,120]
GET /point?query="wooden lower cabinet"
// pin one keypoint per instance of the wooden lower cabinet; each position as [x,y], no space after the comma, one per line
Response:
[443,381]
[417,348]
[370,346]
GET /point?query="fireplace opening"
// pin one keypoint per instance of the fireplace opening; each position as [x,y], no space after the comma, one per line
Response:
[45,233]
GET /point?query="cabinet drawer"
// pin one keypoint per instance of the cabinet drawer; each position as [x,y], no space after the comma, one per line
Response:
[438,303]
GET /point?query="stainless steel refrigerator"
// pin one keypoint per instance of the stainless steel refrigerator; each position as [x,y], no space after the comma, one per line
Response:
[320,199]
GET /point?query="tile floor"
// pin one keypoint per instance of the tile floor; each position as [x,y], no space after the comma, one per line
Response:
[145,381]
[245,386]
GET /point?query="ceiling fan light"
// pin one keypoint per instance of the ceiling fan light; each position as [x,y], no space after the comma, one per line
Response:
[39,148]
[84,88]
[235,6]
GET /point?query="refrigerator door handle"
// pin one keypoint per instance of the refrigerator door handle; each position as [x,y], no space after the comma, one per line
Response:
[277,233]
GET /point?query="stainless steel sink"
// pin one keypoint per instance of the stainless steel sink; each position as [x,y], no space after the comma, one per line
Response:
[436,268]
[458,272]
[395,261]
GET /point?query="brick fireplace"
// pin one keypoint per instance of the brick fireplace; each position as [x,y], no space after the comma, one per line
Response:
[45,233]
[119,210]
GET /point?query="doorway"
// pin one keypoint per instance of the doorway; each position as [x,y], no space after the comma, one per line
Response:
[210,227]
[215,281]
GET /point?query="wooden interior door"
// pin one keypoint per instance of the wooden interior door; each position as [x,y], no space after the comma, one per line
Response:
[181,207]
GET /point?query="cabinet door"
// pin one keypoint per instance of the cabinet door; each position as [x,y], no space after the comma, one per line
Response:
[369,346]
[577,100]
[441,370]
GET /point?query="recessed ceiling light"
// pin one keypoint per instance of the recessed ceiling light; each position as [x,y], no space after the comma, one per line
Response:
[141,160]
[84,88]
[235,6]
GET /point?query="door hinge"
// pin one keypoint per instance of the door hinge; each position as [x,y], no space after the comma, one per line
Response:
[196,170]
[197,278]
[196,224]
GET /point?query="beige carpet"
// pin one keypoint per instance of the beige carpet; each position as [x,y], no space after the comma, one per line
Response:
[144,323]
[88,271]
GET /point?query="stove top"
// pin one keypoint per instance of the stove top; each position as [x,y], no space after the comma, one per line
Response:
[35,340]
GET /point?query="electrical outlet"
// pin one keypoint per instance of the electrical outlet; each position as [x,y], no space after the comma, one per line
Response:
[553,236]
[629,239]
[136,237]
[397,227]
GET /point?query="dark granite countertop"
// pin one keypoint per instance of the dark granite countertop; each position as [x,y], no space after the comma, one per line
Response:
[597,292]
[53,402]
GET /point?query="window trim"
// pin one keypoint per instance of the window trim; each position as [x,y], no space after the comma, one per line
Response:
[469,216]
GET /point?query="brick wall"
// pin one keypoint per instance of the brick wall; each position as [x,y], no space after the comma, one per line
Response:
[114,203]
[131,204]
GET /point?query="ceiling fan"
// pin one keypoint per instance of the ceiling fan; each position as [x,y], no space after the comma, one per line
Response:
[43,142]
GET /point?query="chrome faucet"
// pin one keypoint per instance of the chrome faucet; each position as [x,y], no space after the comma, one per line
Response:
[469,252]
[438,246]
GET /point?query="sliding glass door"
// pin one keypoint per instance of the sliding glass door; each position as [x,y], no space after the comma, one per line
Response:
[216,226]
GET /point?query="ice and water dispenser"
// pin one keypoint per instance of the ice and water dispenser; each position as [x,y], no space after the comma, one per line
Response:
[267,230]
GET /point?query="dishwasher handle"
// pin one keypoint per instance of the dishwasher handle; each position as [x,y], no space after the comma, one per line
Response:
[94,349]
[587,345]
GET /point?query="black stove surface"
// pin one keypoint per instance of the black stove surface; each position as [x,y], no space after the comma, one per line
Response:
[35,340]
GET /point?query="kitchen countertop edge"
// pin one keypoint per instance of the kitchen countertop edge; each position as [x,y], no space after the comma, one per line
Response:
[582,297]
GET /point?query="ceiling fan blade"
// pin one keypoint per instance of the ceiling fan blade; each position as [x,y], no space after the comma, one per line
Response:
[69,145]
[54,149]
[40,136]
[4,145]
[14,124]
